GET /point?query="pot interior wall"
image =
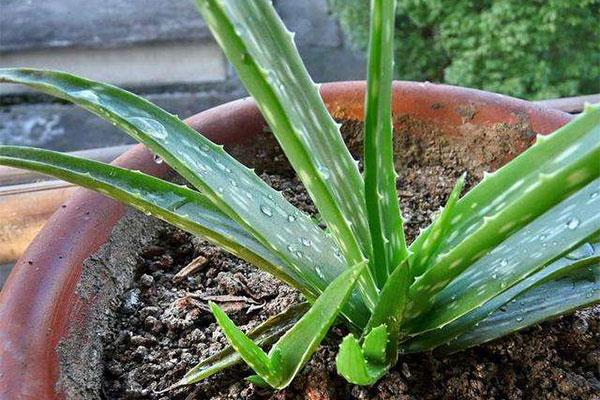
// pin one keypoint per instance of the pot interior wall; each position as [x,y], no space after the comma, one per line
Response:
[108,273]
[475,147]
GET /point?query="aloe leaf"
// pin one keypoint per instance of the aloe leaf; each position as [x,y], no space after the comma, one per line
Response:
[364,366]
[264,334]
[263,53]
[549,236]
[389,311]
[236,190]
[425,249]
[295,347]
[549,300]
[252,354]
[583,256]
[375,343]
[383,209]
[177,205]
[353,364]
[350,362]
[300,342]
[545,174]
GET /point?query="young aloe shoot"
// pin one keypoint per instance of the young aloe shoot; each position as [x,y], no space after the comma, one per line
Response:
[278,368]
[528,233]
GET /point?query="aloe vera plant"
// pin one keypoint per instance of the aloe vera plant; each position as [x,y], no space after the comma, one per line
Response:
[520,247]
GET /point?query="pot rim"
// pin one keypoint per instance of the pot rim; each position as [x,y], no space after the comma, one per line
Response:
[39,298]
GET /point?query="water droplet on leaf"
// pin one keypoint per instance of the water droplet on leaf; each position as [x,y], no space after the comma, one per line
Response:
[150,127]
[266,210]
[86,95]
[324,172]
[572,223]
[306,242]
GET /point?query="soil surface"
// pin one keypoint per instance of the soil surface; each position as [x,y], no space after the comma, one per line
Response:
[163,327]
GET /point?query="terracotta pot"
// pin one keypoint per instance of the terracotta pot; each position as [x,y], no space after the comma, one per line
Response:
[39,305]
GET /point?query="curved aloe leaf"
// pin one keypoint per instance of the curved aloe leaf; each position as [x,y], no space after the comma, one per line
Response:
[236,190]
[549,236]
[177,205]
[549,300]
[264,334]
[424,250]
[389,311]
[182,207]
[545,174]
[383,210]
[375,343]
[264,55]
[294,348]
[250,352]
[582,257]
[363,365]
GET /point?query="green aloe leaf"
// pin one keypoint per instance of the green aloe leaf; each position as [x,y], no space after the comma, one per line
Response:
[547,301]
[264,334]
[263,53]
[424,250]
[375,344]
[294,348]
[236,190]
[583,256]
[390,309]
[379,352]
[552,169]
[549,236]
[298,344]
[350,362]
[175,204]
[362,365]
[383,209]
[252,354]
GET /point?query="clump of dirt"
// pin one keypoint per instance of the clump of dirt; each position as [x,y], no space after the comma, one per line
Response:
[163,327]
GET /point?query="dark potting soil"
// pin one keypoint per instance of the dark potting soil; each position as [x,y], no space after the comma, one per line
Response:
[163,326]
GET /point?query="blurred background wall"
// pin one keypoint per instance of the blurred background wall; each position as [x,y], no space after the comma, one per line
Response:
[160,49]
